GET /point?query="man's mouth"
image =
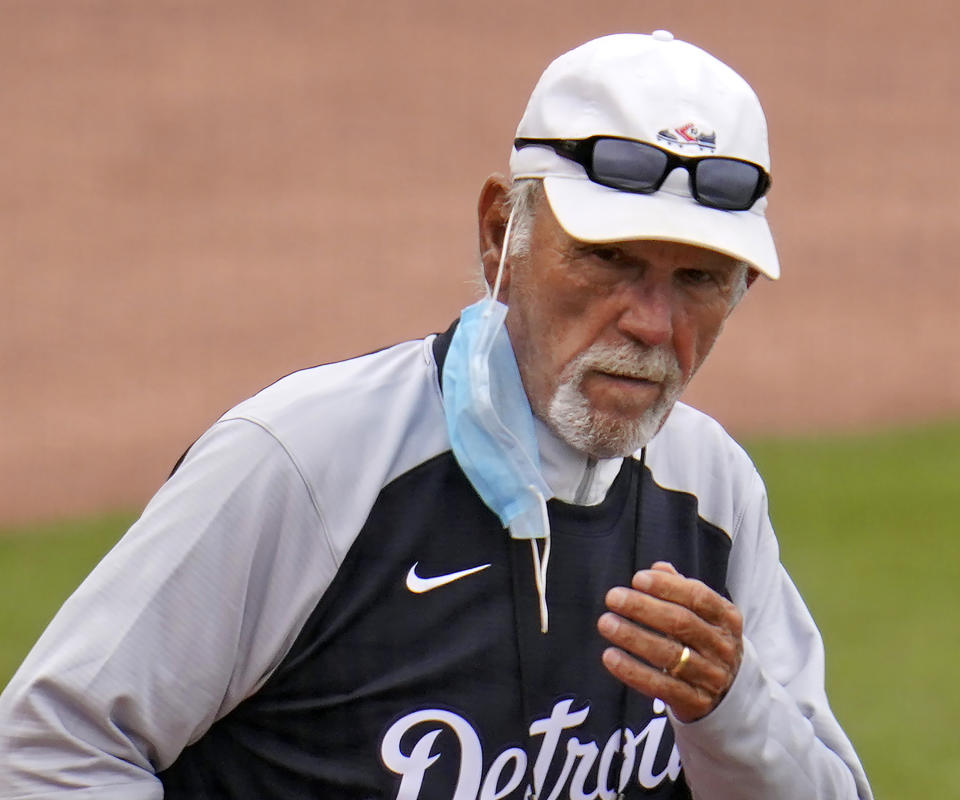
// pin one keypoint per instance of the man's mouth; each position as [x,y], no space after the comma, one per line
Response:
[640,380]
[621,388]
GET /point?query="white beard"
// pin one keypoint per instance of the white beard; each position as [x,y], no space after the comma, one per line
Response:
[602,435]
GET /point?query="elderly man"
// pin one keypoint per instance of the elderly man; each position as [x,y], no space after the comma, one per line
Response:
[322,601]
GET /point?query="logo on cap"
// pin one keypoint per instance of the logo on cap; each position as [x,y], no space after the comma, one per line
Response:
[689,135]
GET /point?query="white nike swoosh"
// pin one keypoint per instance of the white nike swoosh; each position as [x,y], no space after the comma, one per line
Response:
[419,585]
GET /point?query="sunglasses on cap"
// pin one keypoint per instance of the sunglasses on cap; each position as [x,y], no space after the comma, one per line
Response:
[731,184]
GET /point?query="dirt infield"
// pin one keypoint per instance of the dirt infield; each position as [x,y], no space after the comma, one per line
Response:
[201,196]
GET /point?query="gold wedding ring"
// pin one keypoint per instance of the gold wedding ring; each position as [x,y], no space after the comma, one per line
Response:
[674,671]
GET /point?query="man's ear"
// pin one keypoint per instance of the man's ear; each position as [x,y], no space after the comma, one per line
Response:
[492,225]
[752,275]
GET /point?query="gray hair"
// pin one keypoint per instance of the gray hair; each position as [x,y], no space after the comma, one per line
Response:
[522,199]
[740,284]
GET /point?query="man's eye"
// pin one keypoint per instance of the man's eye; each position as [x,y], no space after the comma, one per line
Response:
[609,254]
[696,277]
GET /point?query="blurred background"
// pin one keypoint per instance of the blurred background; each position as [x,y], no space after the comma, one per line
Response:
[197,197]
[200,196]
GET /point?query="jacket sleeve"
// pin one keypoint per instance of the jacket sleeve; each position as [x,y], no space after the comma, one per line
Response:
[186,616]
[773,735]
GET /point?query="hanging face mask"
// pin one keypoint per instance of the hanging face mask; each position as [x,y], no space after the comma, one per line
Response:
[490,425]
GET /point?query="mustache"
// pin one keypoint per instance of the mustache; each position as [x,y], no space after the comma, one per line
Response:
[630,360]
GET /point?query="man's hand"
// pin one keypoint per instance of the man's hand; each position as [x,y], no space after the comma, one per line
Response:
[676,639]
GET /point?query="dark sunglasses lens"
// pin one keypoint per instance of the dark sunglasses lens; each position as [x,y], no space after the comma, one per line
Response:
[632,166]
[724,183]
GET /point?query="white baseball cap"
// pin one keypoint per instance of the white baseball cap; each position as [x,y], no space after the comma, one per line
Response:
[663,91]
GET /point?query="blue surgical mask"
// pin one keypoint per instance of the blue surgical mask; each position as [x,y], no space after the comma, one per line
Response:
[490,423]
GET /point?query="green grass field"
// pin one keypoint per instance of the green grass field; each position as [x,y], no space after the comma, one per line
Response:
[868,530]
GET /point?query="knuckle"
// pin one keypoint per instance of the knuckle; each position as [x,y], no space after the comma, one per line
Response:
[696,704]
[705,702]
[729,615]
[685,626]
[726,649]
[715,678]
[703,598]
[735,619]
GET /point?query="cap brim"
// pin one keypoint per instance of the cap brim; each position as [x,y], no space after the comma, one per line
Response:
[594,213]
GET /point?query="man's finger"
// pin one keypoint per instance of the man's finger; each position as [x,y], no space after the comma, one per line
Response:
[676,622]
[686,701]
[665,566]
[664,582]
[664,654]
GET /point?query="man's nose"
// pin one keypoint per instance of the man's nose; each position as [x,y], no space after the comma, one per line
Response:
[647,314]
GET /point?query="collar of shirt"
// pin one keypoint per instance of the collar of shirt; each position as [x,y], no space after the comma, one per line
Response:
[573,476]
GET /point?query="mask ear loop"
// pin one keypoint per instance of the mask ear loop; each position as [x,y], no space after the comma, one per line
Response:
[503,260]
[540,562]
